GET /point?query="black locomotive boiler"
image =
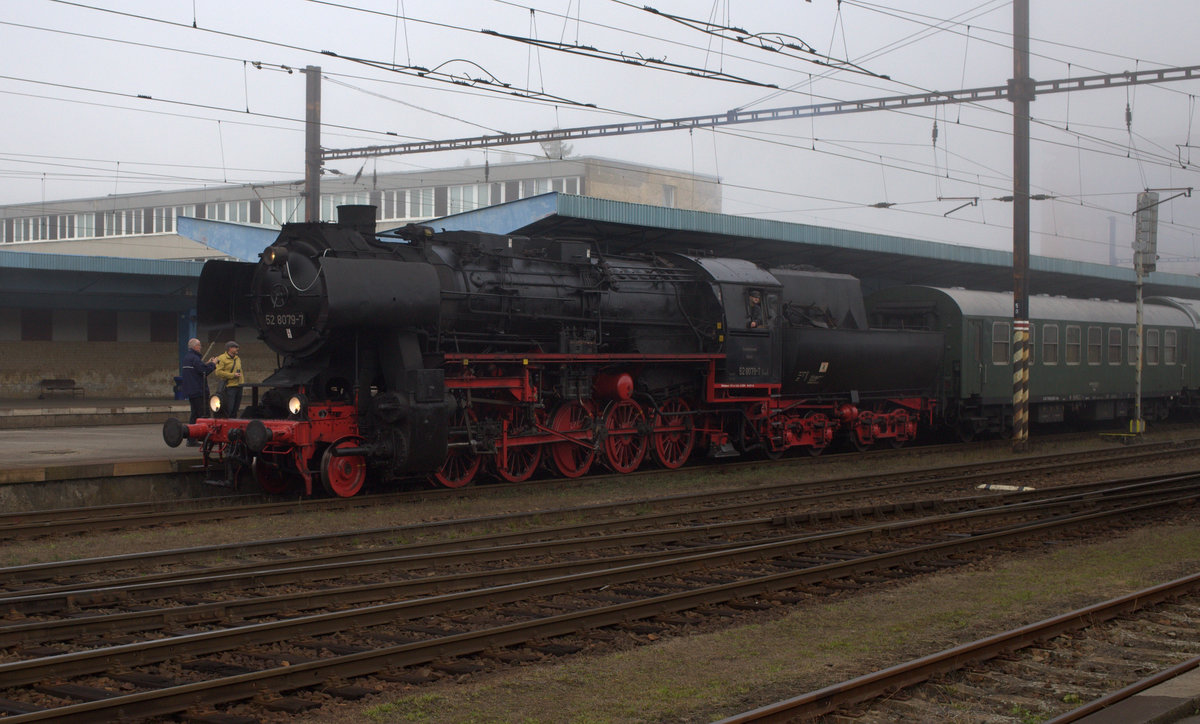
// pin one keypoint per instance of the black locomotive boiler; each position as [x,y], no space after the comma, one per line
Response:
[459,353]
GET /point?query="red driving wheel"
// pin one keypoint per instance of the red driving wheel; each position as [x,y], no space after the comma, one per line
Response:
[519,462]
[625,441]
[674,436]
[462,462]
[573,457]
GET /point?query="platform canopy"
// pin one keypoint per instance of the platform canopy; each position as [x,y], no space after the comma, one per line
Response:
[878,260]
[65,281]
[618,227]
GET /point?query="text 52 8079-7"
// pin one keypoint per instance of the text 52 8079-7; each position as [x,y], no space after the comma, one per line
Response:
[284,320]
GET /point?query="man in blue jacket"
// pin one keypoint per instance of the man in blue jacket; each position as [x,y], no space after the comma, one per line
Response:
[195,385]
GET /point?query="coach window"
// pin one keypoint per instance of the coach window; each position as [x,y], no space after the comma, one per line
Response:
[1132,346]
[1000,342]
[1050,344]
[1151,346]
[1074,344]
[1095,348]
[1169,346]
[1114,345]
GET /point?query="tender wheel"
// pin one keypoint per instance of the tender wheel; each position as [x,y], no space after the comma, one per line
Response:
[777,424]
[859,444]
[574,457]
[815,450]
[625,444]
[673,446]
[271,478]
[520,461]
[343,475]
[906,429]
[462,463]
[753,440]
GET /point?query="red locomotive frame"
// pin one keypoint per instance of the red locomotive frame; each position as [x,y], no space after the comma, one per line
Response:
[504,425]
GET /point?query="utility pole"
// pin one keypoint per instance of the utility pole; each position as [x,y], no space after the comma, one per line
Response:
[1020,93]
[1145,259]
[312,143]
[1145,256]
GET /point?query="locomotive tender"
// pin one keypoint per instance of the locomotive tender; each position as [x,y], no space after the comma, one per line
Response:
[457,352]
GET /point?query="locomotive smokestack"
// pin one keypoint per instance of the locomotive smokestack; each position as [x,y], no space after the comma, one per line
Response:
[360,217]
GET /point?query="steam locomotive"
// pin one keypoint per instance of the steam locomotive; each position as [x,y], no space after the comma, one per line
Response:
[458,354]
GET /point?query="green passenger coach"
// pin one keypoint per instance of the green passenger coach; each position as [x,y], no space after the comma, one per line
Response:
[1082,361]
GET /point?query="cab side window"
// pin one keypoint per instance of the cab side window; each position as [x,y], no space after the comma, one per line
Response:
[756,315]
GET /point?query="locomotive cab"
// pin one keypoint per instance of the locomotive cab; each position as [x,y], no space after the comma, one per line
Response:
[752,342]
[749,300]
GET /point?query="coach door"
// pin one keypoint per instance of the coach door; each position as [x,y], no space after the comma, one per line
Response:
[974,371]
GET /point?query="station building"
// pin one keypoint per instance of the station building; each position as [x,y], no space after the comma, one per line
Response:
[145,226]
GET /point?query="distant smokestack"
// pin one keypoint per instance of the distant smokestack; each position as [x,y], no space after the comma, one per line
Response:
[360,217]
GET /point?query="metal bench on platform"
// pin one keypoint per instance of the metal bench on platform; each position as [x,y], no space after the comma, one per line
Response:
[59,385]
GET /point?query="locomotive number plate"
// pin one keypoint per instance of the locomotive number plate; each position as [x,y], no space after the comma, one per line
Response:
[284,320]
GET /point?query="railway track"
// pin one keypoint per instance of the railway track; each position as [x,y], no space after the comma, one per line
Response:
[220,657]
[792,498]
[58,613]
[31,525]
[1058,670]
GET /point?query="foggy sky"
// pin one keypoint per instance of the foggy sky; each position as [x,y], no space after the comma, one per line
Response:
[213,117]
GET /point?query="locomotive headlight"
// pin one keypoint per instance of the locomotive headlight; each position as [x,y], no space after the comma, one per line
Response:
[298,406]
[214,403]
[275,255]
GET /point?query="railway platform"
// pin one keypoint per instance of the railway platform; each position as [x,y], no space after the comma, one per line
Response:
[66,452]
[68,411]
[1175,700]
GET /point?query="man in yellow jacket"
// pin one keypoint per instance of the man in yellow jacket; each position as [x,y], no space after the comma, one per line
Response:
[229,371]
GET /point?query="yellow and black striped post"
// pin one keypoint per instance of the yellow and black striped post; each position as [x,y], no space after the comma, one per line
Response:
[1021,94]
[1020,382]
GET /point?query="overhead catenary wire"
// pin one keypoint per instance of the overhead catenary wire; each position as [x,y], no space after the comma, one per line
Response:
[414,71]
[358,9]
[767,40]
[813,135]
[851,204]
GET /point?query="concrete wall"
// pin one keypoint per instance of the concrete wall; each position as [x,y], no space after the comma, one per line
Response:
[111,369]
[641,185]
[156,246]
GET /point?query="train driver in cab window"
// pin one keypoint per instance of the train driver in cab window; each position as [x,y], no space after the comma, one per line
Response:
[754,310]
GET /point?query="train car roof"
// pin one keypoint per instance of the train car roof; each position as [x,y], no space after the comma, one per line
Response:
[1190,307]
[734,271]
[973,303]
